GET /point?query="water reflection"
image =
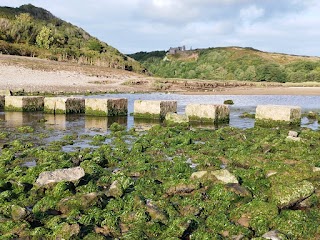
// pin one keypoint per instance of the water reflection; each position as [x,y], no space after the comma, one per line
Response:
[102,124]
[18,119]
[142,125]
[80,123]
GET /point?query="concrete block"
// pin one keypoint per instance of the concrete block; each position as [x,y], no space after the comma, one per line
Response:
[106,107]
[24,103]
[64,105]
[291,114]
[153,109]
[208,112]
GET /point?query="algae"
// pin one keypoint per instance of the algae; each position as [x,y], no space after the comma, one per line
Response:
[157,199]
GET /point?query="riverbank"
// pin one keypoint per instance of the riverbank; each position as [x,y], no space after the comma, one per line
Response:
[35,75]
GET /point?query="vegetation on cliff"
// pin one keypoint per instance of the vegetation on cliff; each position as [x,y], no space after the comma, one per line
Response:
[33,31]
[231,63]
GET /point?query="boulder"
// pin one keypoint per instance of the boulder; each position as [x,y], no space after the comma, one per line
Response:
[274,235]
[287,195]
[18,212]
[59,175]
[238,189]
[200,174]
[295,139]
[181,189]
[79,201]
[115,190]
[224,176]
[293,134]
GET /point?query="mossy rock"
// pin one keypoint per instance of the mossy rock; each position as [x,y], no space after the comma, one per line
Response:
[256,215]
[287,195]
[298,224]
[228,102]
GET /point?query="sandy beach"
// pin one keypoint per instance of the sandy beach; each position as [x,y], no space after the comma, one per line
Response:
[44,76]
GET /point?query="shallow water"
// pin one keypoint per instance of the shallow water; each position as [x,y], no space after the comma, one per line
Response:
[57,126]
[91,125]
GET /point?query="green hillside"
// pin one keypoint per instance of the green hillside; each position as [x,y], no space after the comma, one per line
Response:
[231,63]
[33,31]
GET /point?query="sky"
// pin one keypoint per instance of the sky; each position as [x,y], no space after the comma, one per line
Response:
[285,26]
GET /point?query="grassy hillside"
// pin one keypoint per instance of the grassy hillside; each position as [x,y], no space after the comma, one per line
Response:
[32,31]
[231,63]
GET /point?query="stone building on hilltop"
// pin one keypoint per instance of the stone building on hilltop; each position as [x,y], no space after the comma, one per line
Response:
[177,50]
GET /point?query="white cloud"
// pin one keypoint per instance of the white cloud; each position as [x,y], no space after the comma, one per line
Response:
[251,13]
[289,26]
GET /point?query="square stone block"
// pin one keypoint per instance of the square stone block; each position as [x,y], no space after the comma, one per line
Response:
[153,109]
[64,105]
[279,113]
[24,103]
[106,107]
[208,112]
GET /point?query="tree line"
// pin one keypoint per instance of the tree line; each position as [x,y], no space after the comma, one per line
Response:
[232,64]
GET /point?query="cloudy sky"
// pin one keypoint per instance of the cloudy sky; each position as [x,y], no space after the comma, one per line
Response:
[287,26]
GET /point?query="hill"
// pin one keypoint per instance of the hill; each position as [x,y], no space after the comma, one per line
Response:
[33,31]
[231,63]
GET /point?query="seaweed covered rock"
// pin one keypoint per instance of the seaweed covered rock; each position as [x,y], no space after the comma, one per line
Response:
[256,215]
[115,190]
[66,231]
[181,189]
[59,175]
[224,176]
[287,195]
[274,235]
[18,212]
[78,202]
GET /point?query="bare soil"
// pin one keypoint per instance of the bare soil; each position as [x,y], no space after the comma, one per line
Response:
[44,76]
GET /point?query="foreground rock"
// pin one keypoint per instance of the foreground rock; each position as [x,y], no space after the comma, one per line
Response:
[274,235]
[222,175]
[288,195]
[59,175]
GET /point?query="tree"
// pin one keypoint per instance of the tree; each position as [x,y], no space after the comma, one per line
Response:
[23,29]
[271,73]
[45,38]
